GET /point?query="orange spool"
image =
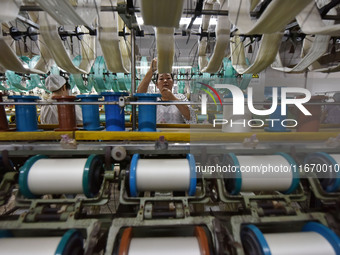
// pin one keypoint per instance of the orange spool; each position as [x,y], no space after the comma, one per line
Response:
[66,114]
[125,242]
[199,233]
[3,118]
[311,123]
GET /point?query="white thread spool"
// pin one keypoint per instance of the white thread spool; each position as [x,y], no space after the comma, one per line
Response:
[327,169]
[42,245]
[42,175]
[240,120]
[262,173]
[164,175]
[190,245]
[29,245]
[314,239]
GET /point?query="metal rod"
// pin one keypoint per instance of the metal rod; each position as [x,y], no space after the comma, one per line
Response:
[146,103]
[133,77]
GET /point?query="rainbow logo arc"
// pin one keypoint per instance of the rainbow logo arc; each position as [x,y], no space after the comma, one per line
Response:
[209,93]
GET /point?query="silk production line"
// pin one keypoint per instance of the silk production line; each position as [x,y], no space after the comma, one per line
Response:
[125,184]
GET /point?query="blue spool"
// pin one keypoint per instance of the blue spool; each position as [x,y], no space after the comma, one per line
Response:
[327,233]
[26,115]
[236,181]
[254,240]
[114,115]
[90,112]
[147,114]
[133,175]
[294,168]
[330,181]
[276,126]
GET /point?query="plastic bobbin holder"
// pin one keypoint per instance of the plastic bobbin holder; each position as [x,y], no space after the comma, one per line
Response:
[90,112]
[26,115]
[114,114]
[147,114]
[66,114]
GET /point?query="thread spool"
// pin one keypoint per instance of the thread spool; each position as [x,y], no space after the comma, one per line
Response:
[314,239]
[118,153]
[41,175]
[329,166]
[189,245]
[162,175]
[202,118]
[69,244]
[247,173]
[114,114]
[90,112]
[147,113]
[3,117]
[236,123]
[26,115]
[66,114]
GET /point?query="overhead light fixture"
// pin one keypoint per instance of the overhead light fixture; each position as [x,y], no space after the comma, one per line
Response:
[174,67]
[180,67]
[184,21]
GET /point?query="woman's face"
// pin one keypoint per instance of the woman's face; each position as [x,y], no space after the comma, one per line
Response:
[165,81]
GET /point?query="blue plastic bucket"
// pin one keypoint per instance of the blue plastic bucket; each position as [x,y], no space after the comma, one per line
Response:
[114,114]
[90,112]
[26,115]
[147,114]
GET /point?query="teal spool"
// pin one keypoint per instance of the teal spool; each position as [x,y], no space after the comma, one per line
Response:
[100,74]
[77,79]
[127,118]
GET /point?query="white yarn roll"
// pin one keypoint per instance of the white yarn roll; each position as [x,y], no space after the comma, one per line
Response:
[304,243]
[270,180]
[164,246]
[231,118]
[56,176]
[336,158]
[163,175]
[29,245]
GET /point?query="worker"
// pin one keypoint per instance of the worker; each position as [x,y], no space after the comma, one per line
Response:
[167,113]
[59,87]
[331,113]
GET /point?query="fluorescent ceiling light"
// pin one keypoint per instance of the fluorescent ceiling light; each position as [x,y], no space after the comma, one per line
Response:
[198,21]
[174,67]
[184,21]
